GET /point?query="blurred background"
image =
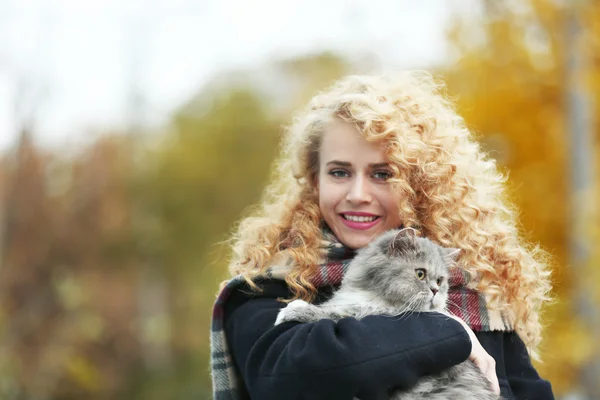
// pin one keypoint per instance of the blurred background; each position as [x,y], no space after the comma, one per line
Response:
[134,134]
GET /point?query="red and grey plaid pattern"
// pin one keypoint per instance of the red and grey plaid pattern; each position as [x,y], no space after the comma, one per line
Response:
[466,303]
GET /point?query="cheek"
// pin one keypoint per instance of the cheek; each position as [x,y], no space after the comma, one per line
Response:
[390,201]
[443,290]
[439,302]
[328,196]
[442,299]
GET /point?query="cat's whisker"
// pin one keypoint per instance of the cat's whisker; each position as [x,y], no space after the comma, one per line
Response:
[409,306]
[400,286]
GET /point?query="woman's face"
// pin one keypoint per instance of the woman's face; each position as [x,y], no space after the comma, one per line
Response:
[355,197]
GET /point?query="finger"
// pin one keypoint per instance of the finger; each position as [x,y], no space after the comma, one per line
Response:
[493,380]
[495,385]
[491,376]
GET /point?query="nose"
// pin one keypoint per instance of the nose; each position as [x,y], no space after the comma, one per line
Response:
[434,290]
[359,191]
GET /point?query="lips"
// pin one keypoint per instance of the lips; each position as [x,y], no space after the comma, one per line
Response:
[359,220]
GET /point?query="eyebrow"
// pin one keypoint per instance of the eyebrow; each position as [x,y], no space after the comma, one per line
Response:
[348,164]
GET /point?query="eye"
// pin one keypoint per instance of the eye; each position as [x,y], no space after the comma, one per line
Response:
[420,273]
[339,173]
[382,175]
[440,280]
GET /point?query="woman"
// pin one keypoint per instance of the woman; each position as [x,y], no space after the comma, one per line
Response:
[371,154]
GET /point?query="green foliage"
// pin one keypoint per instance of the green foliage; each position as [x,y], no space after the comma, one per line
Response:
[112,257]
[208,170]
[202,176]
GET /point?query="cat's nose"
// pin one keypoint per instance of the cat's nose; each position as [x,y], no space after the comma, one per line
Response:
[434,291]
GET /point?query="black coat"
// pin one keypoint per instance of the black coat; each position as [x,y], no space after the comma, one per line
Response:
[351,358]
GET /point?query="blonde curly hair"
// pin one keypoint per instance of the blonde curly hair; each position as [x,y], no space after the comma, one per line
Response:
[452,193]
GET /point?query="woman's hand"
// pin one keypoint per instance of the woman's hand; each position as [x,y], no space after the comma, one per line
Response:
[481,358]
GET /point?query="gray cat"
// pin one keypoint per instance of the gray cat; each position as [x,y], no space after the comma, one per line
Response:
[397,273]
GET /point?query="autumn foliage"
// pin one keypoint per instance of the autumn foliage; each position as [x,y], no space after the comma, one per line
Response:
[110,257]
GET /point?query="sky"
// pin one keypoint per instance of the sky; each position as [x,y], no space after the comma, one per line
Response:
[70,66]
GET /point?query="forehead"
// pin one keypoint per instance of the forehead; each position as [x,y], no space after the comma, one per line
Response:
[343,142]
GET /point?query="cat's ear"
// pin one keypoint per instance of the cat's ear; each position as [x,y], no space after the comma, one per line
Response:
[451,254]
[404,240]
[407,233]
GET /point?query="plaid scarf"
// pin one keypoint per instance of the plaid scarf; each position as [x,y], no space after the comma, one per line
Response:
[463,301]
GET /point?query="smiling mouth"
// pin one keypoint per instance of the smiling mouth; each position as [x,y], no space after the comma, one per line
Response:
[360,218]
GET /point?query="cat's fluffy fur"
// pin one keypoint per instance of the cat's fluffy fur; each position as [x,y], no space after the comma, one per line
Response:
[397,273]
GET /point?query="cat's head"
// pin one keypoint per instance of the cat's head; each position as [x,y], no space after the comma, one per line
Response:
[406,271]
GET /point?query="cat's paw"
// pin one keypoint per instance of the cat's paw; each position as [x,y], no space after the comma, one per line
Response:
[290,312]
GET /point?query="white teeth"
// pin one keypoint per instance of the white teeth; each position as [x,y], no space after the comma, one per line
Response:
[357,218]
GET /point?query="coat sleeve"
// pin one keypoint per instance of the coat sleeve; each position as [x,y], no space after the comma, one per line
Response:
[524,380]
[328,360]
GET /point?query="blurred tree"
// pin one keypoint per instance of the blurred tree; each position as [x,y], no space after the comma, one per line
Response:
[80,230]
[28,304]
[66,309]
[195,184]
[95,243]
[510,79]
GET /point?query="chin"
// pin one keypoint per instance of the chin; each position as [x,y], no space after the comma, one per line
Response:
[356,244]
[357,241]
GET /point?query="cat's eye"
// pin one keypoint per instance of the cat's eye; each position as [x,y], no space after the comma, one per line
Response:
[440,280]
[420,273]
